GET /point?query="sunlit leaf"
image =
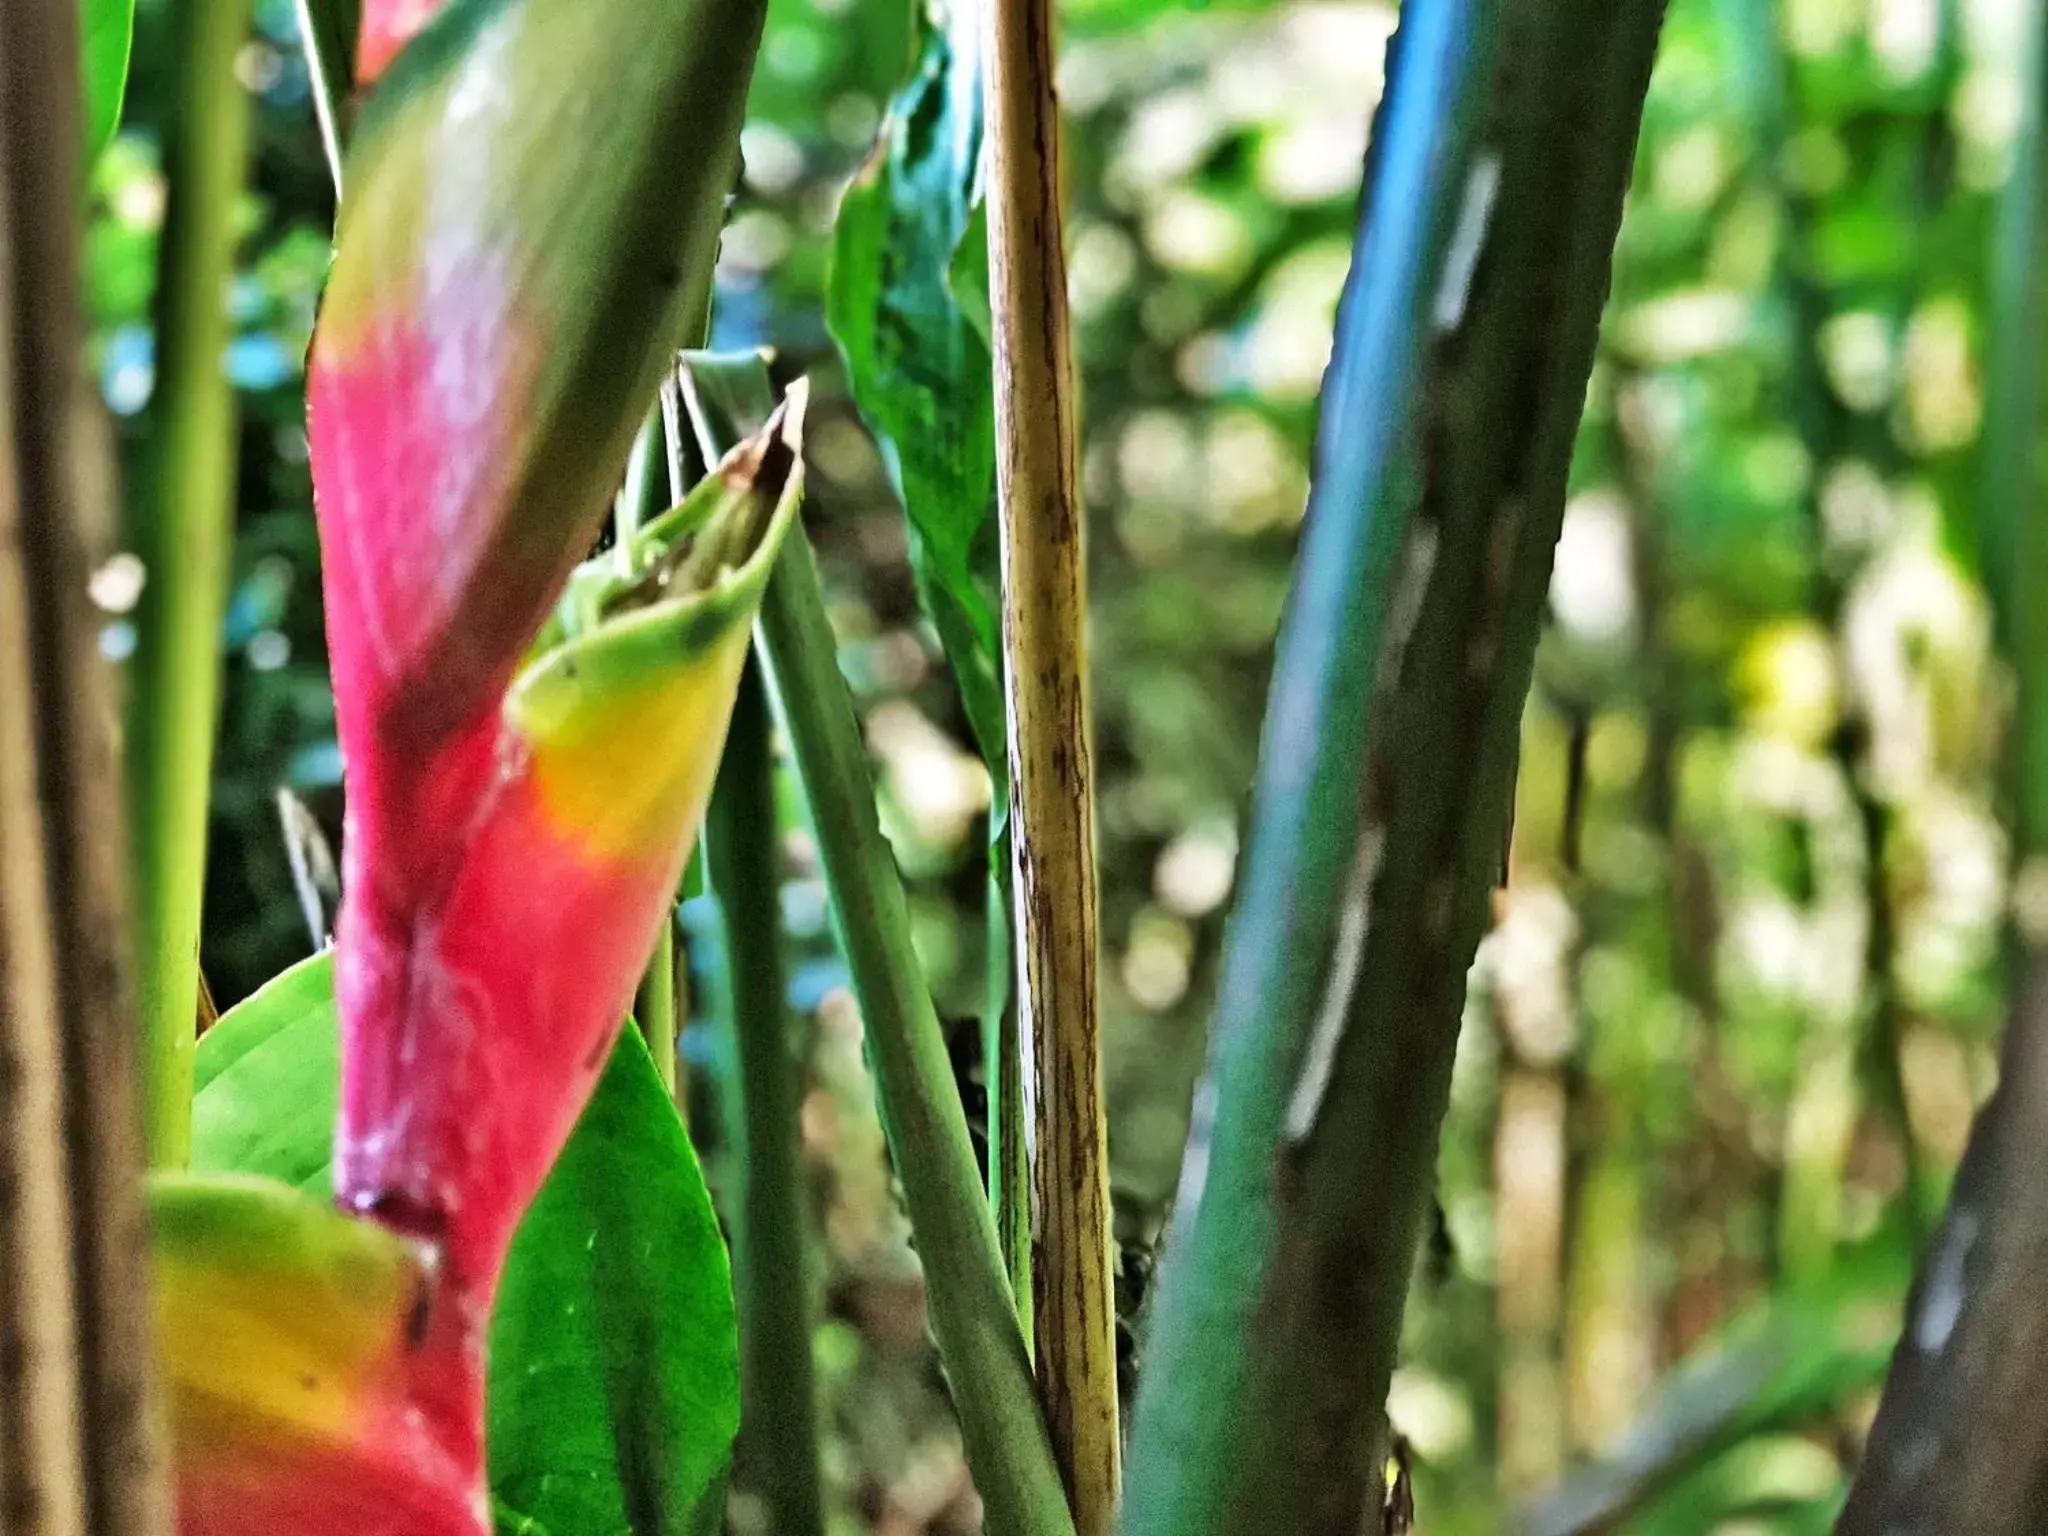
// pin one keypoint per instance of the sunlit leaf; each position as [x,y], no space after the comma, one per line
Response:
[909,309]
[106,29]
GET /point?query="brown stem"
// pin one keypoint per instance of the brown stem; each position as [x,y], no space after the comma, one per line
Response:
[1051,776]
[1960,1442]
[73,1340]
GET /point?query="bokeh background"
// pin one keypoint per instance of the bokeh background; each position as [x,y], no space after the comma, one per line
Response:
[1722,1048]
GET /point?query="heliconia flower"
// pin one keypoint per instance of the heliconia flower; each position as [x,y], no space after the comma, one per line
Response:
[387,26]
[497,319]
[321,1365]
[312,1384]
[533,198]
[326,1372]
[477,1014]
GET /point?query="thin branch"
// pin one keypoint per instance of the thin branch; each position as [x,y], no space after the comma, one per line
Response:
[972,1314]
[778,1420]
[1052,789]
[182,530]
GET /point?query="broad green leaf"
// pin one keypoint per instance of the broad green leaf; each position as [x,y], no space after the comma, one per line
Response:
[614,1388]
[618,1399]
[909,308]
[106,28]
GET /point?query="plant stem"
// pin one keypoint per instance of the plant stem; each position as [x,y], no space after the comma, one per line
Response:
[327,31]
[654,1004]
[1002,1052]
[639,500]
[778,1419]
[972,1314]
[182,531]
[79,1447]
[2015,531]
[1052,790]
[1464,342]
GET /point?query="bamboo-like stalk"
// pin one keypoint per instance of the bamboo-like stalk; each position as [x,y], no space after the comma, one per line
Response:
[778,1417]
[972,1315]
[80,1449]
[1529,1177]
[181,530]
[327,32]
[1052,789]
[1464,341]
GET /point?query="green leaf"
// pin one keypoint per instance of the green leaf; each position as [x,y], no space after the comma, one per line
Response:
[105,30]
[618,1399]
[614,1389]
[266,1080]
[908,307]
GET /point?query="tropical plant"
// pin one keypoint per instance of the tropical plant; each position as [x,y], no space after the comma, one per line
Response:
[1597,988]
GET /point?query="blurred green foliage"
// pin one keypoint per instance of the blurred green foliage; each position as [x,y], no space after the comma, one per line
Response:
[1723,1046]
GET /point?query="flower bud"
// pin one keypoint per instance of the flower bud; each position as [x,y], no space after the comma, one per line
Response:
[475,1020]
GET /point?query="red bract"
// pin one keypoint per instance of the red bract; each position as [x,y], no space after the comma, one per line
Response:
[314,1383]
[532,199]
[388,25]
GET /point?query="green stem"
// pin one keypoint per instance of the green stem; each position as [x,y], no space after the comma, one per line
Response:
[654,1003]
[1009,1171]
[972,1312]
[2015,533]
[182,530]
[778,1420]
[1464,342]
[327,30]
